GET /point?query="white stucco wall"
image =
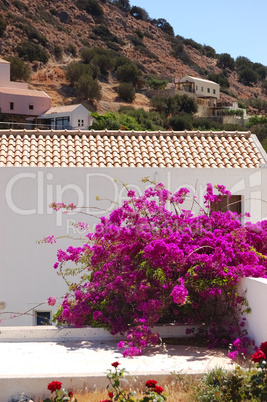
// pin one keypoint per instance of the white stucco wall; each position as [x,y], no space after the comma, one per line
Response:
[255,291]
[27,274]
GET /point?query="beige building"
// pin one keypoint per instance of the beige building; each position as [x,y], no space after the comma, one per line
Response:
[200,87]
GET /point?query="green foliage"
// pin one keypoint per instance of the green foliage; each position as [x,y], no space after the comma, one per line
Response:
[231,112]
[20,5]
[139,33]
[88,88]
[255,120]
[88,54]
[181,122]
[247,76]
[226,61]
[124,5]
[220,79]
[74,71]
[136,41]
[164,25]
[3,26]
[264,86]
[194,44]
[139,13]
[175,104]
[242,62]
[259,104]
[33,33]
[31,52]
[19,70]
[50,19]
[103,62]
[128,72]
[178,51]
[114,121]
[156,83]
[104,33]
[240,384]
[72,49]
[126,92]
[92,7]
[209,51]
[58,52]
[151,120]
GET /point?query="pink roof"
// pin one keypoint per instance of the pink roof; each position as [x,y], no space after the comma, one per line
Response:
[27,92]
[61,109]
[4,61]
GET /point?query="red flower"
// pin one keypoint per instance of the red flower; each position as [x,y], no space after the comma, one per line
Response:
[151,383]
[110,394]
[70,394]
[263,348]
[54,385]
[158,389]
[258,356]
[115,364]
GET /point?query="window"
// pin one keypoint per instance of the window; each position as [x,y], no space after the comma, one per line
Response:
[62,123]
[196,88]
[43,317]
[233,204]
[82,123]
[11,105]
[202,89]
[31,107]
[214,91]
[208,90]
[79,122]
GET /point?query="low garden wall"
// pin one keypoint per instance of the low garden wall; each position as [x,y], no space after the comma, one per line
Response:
[255,291]
[56,334]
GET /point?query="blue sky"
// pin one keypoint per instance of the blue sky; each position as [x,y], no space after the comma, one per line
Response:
[237,27]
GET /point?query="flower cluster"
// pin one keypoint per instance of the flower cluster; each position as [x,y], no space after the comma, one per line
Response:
[152,262]
[56,386]
[260,354]
[152,393]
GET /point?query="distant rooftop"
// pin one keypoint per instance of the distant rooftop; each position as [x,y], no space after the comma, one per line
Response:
[61,109]
[18,91]
[159,149]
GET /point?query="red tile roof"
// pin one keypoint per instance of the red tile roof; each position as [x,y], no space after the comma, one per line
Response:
[130,149]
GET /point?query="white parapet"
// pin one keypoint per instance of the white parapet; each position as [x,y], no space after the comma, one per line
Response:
[255,291]
[59,334]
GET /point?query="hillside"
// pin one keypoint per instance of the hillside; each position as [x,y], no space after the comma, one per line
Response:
[63,28]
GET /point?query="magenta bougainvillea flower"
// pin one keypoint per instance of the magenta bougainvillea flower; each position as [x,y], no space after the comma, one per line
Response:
[152,262]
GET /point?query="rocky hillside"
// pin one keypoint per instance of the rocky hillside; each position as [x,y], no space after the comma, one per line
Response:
[62,28]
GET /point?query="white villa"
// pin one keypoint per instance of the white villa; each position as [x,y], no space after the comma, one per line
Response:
[40,167]
[200,87]
[70,117]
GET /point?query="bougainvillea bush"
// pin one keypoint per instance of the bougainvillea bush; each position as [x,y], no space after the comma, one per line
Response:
[152,262]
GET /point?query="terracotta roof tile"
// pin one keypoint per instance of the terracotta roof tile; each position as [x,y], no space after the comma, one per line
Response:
[129,149]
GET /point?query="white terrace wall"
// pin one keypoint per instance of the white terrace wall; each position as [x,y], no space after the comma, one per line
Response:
[255,291]
[27,274]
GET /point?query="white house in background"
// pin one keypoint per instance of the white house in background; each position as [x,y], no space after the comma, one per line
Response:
[40,167]
[200,87]
[70,117]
